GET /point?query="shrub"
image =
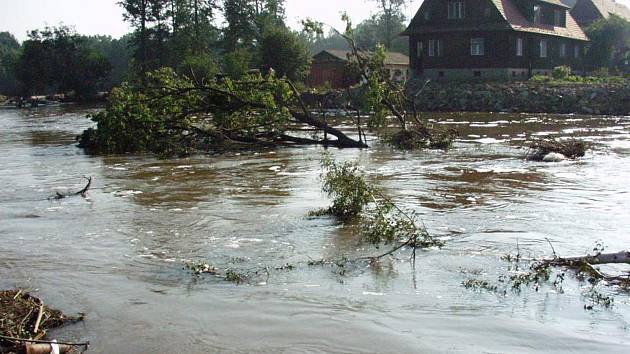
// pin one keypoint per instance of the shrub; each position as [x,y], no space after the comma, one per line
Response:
[561,72]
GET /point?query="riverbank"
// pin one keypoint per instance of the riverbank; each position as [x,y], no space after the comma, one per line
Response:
[525,97]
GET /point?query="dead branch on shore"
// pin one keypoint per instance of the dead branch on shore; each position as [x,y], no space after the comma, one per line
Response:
[82,192]
[25,321]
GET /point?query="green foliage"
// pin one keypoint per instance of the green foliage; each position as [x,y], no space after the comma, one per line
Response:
[172,115]
[57,60]
[561,72]
[380,220]
[610,43]
[285,52]
[9,52]
[237,63]
[135,121]
[598,77]
[201,68]
[347,186]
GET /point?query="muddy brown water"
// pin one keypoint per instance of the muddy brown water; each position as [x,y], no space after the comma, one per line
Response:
[118,255]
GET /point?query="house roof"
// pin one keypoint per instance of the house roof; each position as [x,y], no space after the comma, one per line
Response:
[391,58]
[518,22]
[608,7]
[514,20]
[556,2]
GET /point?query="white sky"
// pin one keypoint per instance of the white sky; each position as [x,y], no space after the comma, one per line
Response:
[105,17]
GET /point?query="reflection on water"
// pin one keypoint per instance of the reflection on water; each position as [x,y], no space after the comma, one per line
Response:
[118,254]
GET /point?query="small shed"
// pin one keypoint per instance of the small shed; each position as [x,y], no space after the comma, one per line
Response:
[329,67]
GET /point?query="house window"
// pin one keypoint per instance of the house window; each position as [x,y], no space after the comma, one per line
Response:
[487,12]
[537,14]
[477,46]
[558,18]
[420,49]
[435,48]
[427,15]
[519,47]
[576,51]
[543,48]
[563,50]
[456,10]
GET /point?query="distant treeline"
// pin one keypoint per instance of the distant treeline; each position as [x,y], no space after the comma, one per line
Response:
[184,35]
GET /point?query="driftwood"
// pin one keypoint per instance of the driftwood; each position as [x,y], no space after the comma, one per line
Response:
[81,193]
[585,264]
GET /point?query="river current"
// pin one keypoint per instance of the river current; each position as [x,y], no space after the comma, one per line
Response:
[118,255]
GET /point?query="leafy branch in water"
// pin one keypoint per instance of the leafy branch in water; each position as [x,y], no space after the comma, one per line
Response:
[385,97]
[379,219]
[173,115]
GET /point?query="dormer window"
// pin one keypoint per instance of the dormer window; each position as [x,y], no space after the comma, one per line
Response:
[537,14]
[558,18]
[456,10]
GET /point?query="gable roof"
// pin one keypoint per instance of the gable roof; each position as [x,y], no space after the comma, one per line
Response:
[608,7]
[518,22]
[514,20]
[391,58]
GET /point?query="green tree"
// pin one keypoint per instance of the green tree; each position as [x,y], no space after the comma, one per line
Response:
[9,51]
[610,43]
[241,28]
[285,52]
[57,59]
[389,19]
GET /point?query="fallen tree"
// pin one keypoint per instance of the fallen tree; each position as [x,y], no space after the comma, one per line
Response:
[554,150]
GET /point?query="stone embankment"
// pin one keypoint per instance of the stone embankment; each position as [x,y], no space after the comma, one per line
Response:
[529,97]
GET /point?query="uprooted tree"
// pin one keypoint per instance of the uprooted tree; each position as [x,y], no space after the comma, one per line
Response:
[171,114]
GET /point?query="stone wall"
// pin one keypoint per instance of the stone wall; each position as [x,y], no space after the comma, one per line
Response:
[529,97]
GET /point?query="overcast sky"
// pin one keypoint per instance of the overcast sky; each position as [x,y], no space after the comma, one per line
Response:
[105,17]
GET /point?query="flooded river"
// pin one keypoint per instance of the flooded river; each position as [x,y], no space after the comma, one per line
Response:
[118,255]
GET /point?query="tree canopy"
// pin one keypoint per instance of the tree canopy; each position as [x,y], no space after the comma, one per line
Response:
[57,59]
[610,43]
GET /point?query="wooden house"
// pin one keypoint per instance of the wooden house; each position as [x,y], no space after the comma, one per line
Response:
[493,39]
[329,67]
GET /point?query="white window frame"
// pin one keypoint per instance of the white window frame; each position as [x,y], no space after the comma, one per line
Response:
[477,46]
[456,10]
[563,50]
[537,14]
[557,18]
[519,47]
[435,47]
[543,48]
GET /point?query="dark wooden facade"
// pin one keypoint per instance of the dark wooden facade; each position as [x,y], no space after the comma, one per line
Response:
[511,34]
[329,69]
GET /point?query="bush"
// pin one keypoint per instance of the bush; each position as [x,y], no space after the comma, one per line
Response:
[347,186]
[561,72]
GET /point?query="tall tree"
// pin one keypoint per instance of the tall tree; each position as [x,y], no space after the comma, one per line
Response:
[56,60]
[9,50]
[610,43]
[138,14]
[241,30]
[285,52]
[390,13]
